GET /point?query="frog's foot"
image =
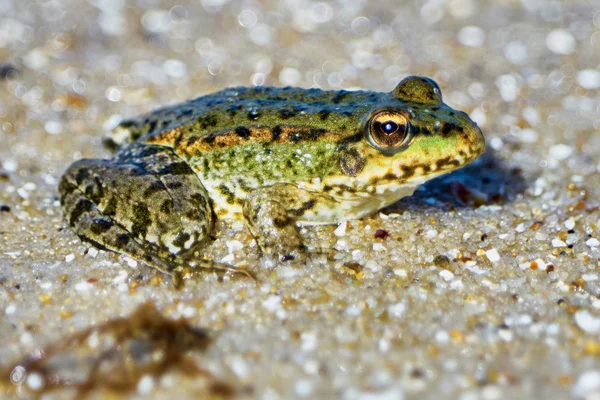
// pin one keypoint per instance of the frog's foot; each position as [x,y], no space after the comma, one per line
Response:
[182,272]
[146,203]
[271,214]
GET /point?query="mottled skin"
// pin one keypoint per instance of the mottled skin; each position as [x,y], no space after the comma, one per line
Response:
[276,157]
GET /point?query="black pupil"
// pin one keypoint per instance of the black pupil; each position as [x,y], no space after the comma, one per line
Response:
[389,127]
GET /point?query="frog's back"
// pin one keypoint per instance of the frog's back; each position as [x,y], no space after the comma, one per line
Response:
[247,112]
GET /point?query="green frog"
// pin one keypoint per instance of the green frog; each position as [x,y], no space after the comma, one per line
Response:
[276,158]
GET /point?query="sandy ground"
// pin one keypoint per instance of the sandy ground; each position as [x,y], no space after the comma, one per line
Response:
[487,286]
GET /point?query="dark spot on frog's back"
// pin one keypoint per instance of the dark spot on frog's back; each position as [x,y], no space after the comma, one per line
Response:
[127,123]
[181,239]
[285,114]
[82,206]
[141,220]
[151,127]
[324,114]
[200,200]
[232,111]
[253,115]
[187,112]
[154,188]
[180,168]
[340,97]
[166,206]
[242,132]
[351,162]
[123,239]
[101,225]
[276,133]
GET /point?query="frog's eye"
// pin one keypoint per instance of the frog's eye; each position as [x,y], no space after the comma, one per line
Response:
[388,130]
[418,89]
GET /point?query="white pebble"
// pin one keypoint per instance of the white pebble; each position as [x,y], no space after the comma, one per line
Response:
[83,286]
[340,231]
[373,266]
[70,257]
[589,78]
[397,310]
[446,275]
[589,277]
[520,228]
[131,262]
[304,388]
[175,68]
[379,247]
[273,303]
[340,245]
[442,337]
[570,223]
[401,273]
[515,52]
[10,309]
[239,366]
[234,245]
[35,381]
[290,76]
[145,385]
[587,322]
[558,243]
[472,36]
[93,252]
[593,242]
[505,334]
[431,233]
[394,393]
[492,255]
[237,226]
[491,392]
[508,86]
[560,152]
[527,135]
[457,284]
[587,384]
[560,41]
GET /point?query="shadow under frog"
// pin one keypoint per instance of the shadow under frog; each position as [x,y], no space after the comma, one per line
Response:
[489,180]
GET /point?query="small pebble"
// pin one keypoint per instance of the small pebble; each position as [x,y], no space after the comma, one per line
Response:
[35,381]
[587,321]
[587,384]
[397,310]
[593,242]
[340,231]
[560,152]
[70,257]
[93,252]
[570,224]
[492,255]
[560,41]
[145,385]
[379,247]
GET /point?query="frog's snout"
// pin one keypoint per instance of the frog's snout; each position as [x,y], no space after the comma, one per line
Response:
[475,141]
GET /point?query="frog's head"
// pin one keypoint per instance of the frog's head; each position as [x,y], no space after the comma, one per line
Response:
[411,138]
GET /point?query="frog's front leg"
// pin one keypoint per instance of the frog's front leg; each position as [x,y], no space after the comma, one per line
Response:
[271,214]
[146,203]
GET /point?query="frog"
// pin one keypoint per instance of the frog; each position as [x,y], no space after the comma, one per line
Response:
[277,159]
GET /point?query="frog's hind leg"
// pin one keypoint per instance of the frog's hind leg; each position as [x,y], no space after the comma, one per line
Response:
[146,203]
